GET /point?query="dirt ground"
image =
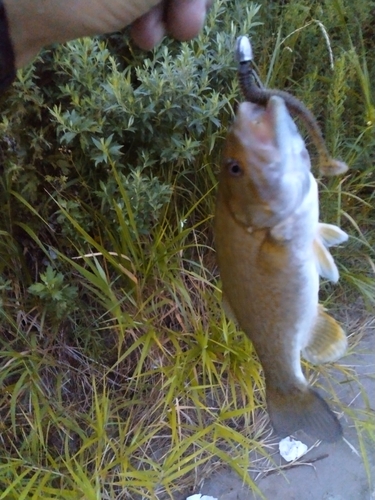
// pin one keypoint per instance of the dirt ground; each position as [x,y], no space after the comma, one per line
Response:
[326,472]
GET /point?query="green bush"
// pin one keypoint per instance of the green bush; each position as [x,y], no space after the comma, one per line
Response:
[90,102]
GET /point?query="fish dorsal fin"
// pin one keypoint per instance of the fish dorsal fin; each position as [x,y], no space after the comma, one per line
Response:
[331,235]
[328,340]
[324,261]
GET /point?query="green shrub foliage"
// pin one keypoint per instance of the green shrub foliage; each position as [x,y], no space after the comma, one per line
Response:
[81,106]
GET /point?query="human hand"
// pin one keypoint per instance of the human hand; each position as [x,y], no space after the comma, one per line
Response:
[36,23]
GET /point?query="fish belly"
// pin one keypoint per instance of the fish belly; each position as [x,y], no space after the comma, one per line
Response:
[271,289]
[273,297]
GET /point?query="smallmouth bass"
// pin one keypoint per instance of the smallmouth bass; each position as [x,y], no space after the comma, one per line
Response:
[271,250]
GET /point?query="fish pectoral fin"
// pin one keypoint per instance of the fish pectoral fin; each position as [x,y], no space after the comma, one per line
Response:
[328,340]
[328,235]
[331,235]
[324,261]
[228,310]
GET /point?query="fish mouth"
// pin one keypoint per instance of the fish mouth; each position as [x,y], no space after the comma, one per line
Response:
[265,131]
[271,122]
[279,115]
[268,133]
[277,110]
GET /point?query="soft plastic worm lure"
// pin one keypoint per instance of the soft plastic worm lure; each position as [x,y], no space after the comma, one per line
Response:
[253,91]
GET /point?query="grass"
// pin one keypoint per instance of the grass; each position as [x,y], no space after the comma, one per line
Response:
[161,393]
[120,376]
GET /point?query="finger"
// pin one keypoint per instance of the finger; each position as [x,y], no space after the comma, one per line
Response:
[148,30]
[185,18]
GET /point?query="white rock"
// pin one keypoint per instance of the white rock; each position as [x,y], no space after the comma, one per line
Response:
[198,496]
[290,449]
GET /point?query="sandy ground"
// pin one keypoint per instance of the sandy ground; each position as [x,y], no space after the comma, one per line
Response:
[326,472]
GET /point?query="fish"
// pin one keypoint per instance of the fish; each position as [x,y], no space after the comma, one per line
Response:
[271,250]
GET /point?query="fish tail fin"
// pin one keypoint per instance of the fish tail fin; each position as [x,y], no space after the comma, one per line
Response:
[302,410]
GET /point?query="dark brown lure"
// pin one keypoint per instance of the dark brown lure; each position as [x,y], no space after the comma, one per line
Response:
[253,92]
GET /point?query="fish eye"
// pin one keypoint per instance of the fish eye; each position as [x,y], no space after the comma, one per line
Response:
[234,168]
